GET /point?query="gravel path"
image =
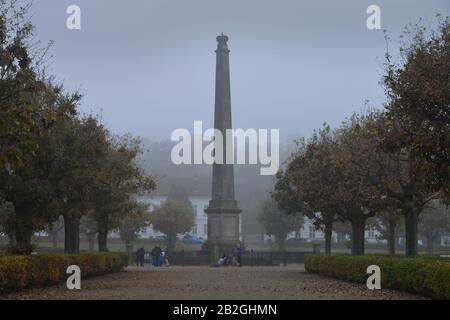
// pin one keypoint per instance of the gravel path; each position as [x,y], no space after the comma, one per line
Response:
[256,283]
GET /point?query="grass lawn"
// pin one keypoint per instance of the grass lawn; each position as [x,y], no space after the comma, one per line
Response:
[116,245]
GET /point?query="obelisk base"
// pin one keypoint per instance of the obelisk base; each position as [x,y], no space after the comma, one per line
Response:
[223,232]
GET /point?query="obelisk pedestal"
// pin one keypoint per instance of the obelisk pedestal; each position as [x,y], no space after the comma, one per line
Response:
[223,211]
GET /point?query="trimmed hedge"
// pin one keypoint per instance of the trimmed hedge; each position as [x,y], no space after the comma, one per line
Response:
[421,275]
[20,272]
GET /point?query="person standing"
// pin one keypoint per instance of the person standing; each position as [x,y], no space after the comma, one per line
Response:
[140,254]
[238,254]
[156,256]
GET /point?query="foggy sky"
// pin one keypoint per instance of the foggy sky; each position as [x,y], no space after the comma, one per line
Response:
[149,64]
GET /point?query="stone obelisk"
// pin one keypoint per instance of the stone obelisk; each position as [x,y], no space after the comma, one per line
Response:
[223,211]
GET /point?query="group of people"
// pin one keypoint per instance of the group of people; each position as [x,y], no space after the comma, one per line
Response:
[159,257]
[236,260]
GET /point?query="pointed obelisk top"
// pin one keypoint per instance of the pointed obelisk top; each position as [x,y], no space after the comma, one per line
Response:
[222,40]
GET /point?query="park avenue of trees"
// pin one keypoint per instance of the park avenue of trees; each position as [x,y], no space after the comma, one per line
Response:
[388,164]
[60,169]
[55,162]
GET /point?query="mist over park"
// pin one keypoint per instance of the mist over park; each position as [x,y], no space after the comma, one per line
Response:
[198,150]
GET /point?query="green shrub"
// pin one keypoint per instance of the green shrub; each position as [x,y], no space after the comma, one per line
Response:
[422,275]
[19,272]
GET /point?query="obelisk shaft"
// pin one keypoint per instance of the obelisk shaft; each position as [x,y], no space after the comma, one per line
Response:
[223,211]
[223,175]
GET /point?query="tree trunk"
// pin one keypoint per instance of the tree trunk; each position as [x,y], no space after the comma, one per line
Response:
[91,240]
[129,251]
[328,235]
[127,245]
[71,234]
[411,219]
[23,241]
[23,230]
[430,242]
[102,239]
[281,242]
[358,226]
[171,242]
[391,237]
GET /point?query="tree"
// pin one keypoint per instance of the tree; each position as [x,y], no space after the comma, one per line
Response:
[388,223]
[384,177]
[52,161]
[417,126]
[82,147]
[30,106]
[279,223]
[53,230]
[6,218]
[29,187]
[324,179]
[418,89]
[48,153]
[307,186]
[434,222]
[389,169]
[88,227]
[355,173]
[136,221]
[20,113]
[118,180]
[342,229]
[172,218]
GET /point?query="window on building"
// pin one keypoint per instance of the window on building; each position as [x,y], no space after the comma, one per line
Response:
[312,232]
[205,229]
[194,230]
[194,207]
[371,233]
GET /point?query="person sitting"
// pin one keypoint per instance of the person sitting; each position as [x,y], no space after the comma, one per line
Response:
[223,261]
